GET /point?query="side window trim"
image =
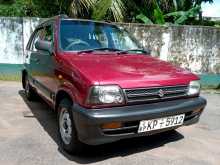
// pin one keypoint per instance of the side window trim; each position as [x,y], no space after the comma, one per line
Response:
[28,47]
[36,34]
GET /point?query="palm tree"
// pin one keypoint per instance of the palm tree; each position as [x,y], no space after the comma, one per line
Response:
[113,8]
[121,10]
[80,8]
[96,9]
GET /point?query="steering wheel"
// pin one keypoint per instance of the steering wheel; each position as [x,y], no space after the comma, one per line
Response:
[76,42]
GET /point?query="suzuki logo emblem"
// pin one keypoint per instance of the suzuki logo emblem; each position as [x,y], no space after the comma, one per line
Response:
[161,93]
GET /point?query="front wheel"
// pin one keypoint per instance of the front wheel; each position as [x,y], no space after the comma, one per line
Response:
[67,130]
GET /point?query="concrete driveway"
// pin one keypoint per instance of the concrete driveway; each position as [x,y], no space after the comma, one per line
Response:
[28,136]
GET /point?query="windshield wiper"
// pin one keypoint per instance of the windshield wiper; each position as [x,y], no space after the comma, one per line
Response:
[134,50]
[97,49]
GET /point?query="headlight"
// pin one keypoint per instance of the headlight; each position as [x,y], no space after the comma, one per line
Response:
[106,95]
[194,88]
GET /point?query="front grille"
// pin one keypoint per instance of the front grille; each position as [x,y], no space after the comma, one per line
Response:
[155,94]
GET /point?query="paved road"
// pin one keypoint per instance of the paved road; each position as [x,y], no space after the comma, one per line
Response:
[28,136]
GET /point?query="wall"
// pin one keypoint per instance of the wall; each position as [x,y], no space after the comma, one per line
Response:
[195,48]
[192,47]
[14,35]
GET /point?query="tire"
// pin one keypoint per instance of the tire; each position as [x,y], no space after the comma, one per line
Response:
[29,91]
[67,131]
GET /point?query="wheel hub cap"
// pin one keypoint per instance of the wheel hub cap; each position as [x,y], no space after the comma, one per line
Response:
[65,124]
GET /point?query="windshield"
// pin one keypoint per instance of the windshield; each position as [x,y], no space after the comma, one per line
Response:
[85,35]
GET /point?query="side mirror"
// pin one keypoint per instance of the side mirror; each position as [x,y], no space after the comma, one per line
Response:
[44,45]
[148,51]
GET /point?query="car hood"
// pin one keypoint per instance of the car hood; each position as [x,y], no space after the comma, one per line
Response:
[129,70]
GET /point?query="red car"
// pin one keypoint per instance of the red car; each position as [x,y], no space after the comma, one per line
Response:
[103,85]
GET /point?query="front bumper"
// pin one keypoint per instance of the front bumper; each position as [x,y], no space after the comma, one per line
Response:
[88,121]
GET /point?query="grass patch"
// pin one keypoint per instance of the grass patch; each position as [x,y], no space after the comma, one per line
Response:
[5,77]
[10,72]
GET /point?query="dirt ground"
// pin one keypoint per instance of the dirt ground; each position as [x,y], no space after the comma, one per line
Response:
[28,136]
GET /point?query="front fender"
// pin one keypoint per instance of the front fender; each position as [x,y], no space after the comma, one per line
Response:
[69,89]
[78,95]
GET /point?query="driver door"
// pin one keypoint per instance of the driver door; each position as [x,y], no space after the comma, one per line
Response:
[46,77]
[42,63]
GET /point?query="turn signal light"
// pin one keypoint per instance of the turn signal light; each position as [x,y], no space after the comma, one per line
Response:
[60,77]
[112,125]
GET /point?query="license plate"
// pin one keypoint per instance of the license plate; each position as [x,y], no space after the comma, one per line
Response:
[160,123]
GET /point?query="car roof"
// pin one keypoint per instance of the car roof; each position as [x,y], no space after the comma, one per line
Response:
[65,17]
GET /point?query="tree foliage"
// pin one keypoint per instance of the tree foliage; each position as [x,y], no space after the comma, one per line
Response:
[170,11]
[79,8]
[145,11]
[116,8]
[181,17]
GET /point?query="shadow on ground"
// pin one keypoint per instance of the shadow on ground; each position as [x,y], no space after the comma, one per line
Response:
[47,118]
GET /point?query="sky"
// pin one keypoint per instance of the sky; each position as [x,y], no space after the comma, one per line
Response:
[211,10]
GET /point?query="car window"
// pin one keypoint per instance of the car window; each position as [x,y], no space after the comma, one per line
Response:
[48,33]
[45,34]
[122,40]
